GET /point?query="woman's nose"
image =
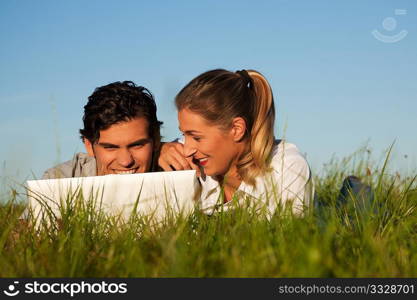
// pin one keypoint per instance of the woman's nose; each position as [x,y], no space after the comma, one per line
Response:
[189,149]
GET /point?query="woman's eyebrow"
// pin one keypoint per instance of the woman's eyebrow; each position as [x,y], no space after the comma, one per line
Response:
[192,132]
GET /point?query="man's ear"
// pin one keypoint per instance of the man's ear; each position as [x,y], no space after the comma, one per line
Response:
[89,147]
[238,129]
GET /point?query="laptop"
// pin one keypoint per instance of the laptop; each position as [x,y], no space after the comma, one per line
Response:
[153,195]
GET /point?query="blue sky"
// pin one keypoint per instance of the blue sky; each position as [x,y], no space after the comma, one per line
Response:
[335,85]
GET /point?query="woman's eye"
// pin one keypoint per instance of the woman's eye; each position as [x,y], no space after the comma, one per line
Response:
[196,138]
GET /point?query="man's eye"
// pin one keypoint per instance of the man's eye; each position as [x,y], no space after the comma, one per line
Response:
[137,146]
[196,138]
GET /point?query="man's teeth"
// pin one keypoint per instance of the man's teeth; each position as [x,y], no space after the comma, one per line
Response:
[125,172]
[203,159]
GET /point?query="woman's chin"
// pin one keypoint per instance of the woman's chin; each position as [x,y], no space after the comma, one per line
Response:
[214,173]
[209,172]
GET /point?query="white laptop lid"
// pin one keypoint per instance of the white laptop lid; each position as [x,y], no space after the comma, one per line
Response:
[153,194]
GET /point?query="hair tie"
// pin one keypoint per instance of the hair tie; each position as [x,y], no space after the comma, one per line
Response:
[248,79]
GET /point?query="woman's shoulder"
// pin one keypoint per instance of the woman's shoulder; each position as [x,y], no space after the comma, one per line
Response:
[287,154]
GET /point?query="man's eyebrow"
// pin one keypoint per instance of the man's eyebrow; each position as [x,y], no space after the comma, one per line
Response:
[108,145]
[140,142]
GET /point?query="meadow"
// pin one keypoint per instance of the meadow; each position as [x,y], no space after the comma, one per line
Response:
[332,240]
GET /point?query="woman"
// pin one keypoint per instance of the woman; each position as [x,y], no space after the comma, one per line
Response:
[227,120]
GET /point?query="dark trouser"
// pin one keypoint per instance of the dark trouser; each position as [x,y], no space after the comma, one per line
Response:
[355,200]
[354,192]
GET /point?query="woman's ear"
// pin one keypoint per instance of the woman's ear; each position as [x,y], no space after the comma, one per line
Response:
[238,129]
[89,147]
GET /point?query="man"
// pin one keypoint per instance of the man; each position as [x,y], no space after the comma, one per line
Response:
[121,134]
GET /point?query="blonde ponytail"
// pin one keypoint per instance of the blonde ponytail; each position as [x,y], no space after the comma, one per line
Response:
[255,161]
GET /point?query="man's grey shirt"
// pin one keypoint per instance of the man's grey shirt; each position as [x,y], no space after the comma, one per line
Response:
[82,165]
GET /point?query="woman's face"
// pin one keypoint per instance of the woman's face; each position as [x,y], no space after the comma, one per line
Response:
[210,146]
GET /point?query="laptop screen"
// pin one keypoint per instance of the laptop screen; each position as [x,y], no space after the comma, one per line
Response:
[147,194]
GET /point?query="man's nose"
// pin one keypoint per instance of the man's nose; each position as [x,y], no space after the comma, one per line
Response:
[125,158]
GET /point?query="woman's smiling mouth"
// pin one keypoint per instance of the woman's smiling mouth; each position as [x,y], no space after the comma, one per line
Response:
[202,161]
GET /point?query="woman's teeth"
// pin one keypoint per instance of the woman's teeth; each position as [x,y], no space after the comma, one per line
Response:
[203,161]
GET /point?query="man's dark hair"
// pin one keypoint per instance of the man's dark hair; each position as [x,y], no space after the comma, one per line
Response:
[119,102]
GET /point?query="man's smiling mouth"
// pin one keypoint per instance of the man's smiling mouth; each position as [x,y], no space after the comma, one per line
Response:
[131,171]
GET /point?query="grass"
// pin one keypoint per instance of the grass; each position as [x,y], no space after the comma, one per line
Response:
[330,241]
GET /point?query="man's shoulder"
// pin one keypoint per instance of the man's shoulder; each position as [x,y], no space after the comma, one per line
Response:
[81,165]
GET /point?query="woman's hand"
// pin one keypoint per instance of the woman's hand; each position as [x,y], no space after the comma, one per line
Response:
[172,158]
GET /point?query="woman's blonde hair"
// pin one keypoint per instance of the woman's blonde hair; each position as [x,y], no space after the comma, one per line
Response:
[219,96]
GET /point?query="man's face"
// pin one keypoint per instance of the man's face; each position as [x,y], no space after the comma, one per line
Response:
[124,148]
